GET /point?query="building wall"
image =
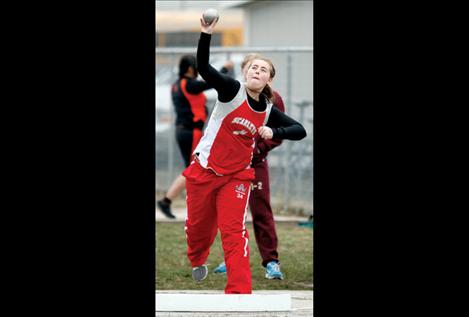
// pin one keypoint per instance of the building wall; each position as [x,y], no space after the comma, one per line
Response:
[280,24]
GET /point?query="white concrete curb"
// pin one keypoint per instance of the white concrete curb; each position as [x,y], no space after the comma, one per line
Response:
[223,302]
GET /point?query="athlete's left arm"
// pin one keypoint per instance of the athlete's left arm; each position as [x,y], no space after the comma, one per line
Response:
[262,145]
[285,127]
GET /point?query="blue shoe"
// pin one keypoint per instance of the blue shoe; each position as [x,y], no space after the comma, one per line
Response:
[220,268]
[272,271]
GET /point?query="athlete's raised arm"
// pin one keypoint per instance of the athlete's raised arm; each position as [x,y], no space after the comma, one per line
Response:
[226,86]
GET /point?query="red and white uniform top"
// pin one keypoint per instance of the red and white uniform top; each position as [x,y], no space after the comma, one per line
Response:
[229,139]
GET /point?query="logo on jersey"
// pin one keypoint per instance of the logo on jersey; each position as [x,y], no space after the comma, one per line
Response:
[245,122]
[240,191]
[240,132]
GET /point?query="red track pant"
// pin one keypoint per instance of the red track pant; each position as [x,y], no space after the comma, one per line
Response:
[219,202]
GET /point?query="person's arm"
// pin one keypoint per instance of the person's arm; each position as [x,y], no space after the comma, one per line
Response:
[281,126]
[195,87]
[226,87]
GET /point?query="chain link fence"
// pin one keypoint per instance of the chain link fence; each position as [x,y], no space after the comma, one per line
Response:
[290,164]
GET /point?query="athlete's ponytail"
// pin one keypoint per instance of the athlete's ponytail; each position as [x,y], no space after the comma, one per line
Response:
[268,93]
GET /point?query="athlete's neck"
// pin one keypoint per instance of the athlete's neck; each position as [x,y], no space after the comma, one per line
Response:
[253,94]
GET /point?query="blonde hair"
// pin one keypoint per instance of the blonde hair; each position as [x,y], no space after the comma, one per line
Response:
[248,59]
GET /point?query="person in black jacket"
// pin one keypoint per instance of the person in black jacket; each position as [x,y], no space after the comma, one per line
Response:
[191,114]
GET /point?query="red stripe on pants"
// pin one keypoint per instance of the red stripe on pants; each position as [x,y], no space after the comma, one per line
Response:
[219,202]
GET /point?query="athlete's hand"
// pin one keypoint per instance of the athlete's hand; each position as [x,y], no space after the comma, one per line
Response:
[266,132]
[206,27]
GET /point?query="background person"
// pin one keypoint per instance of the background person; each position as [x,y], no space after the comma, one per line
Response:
[189,103]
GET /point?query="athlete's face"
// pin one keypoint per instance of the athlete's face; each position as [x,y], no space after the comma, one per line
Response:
[258,75]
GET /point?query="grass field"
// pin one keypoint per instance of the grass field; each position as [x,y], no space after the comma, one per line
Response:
[173,270]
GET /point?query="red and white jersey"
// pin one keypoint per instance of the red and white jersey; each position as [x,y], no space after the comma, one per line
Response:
[229,139]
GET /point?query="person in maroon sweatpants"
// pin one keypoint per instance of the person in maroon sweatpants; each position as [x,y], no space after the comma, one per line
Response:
[259,200]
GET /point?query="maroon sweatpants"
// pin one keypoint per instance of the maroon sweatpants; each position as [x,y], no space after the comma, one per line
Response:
[262,217]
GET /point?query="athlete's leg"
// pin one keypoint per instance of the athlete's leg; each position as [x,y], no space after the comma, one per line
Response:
[262,216]
[232,200]
[187,140]
[176,187]
[201,222]
[184,138]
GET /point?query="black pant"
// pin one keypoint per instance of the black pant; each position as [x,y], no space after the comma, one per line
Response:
[184,137]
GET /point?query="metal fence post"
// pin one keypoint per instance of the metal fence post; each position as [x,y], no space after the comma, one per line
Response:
[171,141]
[301,149]
[286,156]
